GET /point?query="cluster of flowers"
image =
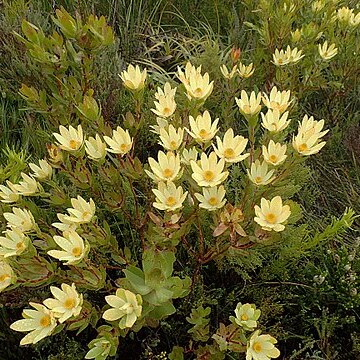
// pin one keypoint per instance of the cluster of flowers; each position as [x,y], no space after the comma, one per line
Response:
[346,16]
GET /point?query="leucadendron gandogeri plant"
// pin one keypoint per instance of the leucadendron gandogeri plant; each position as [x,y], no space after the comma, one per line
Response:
[62,217]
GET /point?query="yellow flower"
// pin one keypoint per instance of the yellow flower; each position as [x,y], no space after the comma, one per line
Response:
[188,155]
[120,143]
[202,129]
[27,187]
[326,52]
[70,139]
[67,302]
[166,105]
[294,55]
[226,73]
[296,35]
[249,106]
[21,219]
[82,212]
[259,173]
[246,316]
[355,19]
[272,214]
[306,142]
[273,122]
[126,306]
[167,168]
[13,243]
[280,58]
[278,100]
[245,71]
[171,139]
[212,198]
[190,71]
[231,147]
[168,91]
[317,5]
[55,153]
[208,171]
[261,347]
[74,248]
[133,78]
[8,194]
[7,276]
[197,86]
[100,349]
[43,171]
[161,124]
[168,197]
[95,148]
[274,154]
[65,224]
[345,14]
[40,322]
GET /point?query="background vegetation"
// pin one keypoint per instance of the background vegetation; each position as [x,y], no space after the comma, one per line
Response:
[310,301]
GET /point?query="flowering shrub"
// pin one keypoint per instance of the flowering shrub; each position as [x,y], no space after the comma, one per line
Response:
[205,192]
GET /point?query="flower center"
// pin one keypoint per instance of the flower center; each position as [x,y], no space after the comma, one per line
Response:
[86,215]
[247,109]
[168,173]
[303,147]
[280,61]
[258,179]
[198,92]
[173,145]
[76,251]
[3,277]
[271,218]
[20,245]
[203,133]
[123,148]
[167,111]
[257,347]
[74,144]
[170,201]
[69,303]
[244,317]
[229,153]
[273,158]
[45,321]
[208,175]
[213,201]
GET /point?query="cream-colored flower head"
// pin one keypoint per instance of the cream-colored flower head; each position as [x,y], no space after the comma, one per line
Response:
[95,148]
[43,171]
[294,55]
[278,100]
[133,78]
[201,128]
[74,249]
[197,86]
[274,153]
[188,155]
[326,52]
[165,105]
[65,224]
[272,214]
[261,347]
[317,5]
[208,171]
[260,174]
[70,139]
[171,138]
[15,242]
[167,168]
[40,322]
[296,35]
[161,124]
[231,147]
[226,73]
[8,194]
[21,219]
[246,316]
[245,71]
[7,276]
[66,303]
[120,142]
[280,58]
[274,121]
[307,141]
[212,198]
[344,15]
[82,212]
[27,187]
[355,19]
[249,106]
[126,306]
[168,196]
